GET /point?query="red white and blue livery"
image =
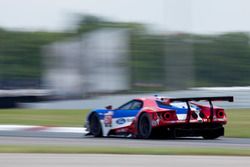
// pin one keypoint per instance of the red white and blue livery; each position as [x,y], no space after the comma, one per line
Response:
[154,117]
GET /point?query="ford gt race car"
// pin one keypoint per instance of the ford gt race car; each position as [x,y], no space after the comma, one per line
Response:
[155,117]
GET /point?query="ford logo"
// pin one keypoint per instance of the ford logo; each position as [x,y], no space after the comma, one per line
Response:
[120,121]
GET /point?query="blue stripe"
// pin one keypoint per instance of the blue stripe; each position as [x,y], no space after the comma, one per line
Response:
[178,110]
[117,113]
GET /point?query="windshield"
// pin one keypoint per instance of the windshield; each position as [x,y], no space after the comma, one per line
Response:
[132,105]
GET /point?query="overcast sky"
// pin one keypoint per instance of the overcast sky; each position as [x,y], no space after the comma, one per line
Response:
[199,16]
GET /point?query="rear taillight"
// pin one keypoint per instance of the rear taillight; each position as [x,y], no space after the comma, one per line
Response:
[168,115]
[220,113]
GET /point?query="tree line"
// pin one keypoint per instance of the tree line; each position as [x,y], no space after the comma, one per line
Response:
[212,60]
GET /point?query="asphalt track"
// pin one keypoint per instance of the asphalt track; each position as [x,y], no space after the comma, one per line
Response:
[125,142]
[106,160]
[93,160]
[241,98]
[72,136]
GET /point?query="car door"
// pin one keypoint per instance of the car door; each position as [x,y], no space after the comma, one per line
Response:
[124,115]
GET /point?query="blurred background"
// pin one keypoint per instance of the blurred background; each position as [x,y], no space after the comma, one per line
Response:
[54,50]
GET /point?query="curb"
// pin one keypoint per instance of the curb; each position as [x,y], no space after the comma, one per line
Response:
[35,128]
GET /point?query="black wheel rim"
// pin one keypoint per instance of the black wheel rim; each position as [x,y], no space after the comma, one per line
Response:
[145,126]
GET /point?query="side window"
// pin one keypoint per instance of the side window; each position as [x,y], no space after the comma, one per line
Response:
[126,106]
[132,105]
[136,105]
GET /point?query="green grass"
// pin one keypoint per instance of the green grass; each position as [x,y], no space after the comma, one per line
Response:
[43,117]
[238,123]
[238,119]
[125,150]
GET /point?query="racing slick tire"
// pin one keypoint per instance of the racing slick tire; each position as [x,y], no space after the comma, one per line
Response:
[213,134]
[95,126]
[144,126]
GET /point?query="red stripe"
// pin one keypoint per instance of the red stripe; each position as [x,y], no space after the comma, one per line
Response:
[37,128]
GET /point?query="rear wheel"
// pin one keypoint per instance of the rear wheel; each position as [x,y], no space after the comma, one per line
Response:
[210,136]
[144,126]
[213,134]
[95,126]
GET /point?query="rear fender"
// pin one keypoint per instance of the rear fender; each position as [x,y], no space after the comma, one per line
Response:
[151,113]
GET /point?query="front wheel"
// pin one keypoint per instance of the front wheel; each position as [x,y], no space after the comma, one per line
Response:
[95,126]
[144,126]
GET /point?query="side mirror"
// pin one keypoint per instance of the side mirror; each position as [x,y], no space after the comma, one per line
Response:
[109,107]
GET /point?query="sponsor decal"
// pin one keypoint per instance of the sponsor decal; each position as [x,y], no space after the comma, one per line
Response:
[120,121]
[129,119]
[108,119]
[154,123]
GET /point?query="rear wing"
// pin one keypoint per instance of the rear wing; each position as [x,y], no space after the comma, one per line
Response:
[219,98]
[209,99]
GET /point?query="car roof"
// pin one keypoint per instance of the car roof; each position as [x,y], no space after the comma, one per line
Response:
[155,98]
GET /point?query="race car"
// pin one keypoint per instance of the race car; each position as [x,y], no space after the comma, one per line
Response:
[156,117]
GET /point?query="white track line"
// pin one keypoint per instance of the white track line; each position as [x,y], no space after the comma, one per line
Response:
[34,128]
